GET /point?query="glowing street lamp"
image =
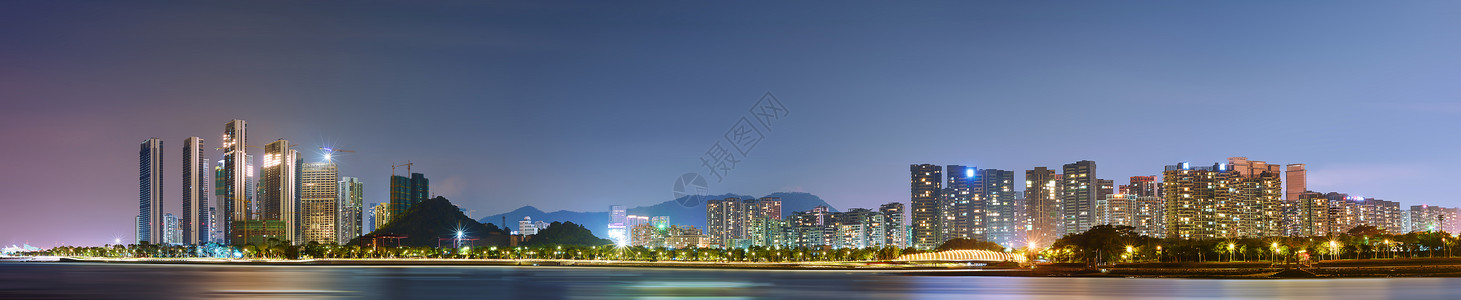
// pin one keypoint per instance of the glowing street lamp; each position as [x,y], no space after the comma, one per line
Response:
[1230,251]
[1275,250]
[1387,246]
[459,238]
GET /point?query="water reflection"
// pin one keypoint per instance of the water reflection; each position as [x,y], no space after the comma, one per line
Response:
[119,281]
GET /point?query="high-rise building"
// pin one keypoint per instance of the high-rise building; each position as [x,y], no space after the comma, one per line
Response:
[1022,222]
[1381,214]
[1192,200]
[171,231]
[618,232]
[722,217]
[1344,212]
[742,223]
[1104,188]
[1310,215]
[1079,191]
[279,195]
[1297,182]
[1425,218]
[1144,213]
[647,235]
[1042,207]
[1223,201]
[896,230]
[232,184]
[728,221]
[999,206]
[195,192]
[767,207]
[380,215]
[1256,207]
[962,204]
[1142,186]
[352,204]
[319,202]
[407,192]
[813,228]
[150,205]
[925,187]
[634,220]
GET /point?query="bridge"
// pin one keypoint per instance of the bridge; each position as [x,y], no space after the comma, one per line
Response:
[963,256]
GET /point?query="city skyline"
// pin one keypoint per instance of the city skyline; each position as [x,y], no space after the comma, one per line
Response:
[496,111]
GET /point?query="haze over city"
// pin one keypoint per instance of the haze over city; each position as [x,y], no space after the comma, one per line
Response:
[580,106]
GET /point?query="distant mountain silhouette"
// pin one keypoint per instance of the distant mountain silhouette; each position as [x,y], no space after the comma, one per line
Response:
[598,221]
[435,218]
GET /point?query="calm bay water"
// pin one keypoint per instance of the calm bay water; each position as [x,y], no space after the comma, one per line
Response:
[126,281]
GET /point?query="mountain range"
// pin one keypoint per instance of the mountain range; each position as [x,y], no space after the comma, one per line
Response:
[691,212]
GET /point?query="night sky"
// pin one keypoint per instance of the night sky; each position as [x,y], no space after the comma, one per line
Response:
[579,106]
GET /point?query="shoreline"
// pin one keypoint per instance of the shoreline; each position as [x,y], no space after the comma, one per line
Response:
[1344,269]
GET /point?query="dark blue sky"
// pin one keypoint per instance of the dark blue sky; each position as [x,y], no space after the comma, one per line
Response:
[581,105]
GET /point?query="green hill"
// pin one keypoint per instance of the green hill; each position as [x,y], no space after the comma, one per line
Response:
[566,234]
[434,219]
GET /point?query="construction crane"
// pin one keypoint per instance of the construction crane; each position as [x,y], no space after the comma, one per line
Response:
[330,152]
[408,168]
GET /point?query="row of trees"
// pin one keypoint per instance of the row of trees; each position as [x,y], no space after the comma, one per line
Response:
[1110,244]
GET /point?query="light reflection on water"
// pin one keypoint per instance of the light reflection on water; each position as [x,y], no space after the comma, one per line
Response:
[125,281]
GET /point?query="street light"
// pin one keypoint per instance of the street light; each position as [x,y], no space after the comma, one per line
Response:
[1334,249]
[1388,250]
[1275,251]
[1230,252]
[459,238]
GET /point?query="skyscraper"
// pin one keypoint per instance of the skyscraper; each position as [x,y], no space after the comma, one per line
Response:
[1078,194]
[150,205]
[352,201]
[927,211]
[999,205]
[724,221]
[962,204]
[233,186]
[195,192]
[319,202]
[1192,199]
[1042,206]
[1296,182]
[279,195]
[407,192]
